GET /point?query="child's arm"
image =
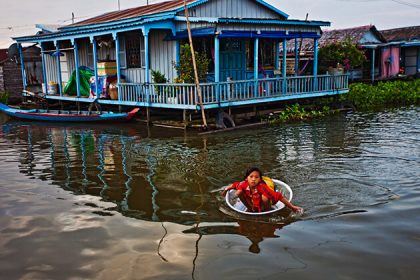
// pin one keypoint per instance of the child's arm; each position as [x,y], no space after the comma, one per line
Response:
[294,208]
[233,186]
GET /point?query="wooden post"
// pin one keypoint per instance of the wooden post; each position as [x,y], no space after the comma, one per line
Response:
[95,65]
[76,59]
[284,67]
[22,69]
[60,79]
[197,82]
[315,86]
[148,115]
[44,71]
[184,118]
[373,65]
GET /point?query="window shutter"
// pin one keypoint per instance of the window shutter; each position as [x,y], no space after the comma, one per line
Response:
[121,54]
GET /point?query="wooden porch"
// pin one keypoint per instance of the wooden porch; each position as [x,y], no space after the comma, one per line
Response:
[222,94]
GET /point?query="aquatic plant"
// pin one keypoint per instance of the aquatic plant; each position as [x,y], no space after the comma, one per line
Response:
[384,94]
[297,112]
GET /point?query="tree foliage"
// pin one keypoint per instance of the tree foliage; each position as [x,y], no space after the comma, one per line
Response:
[345,53]
[185,68]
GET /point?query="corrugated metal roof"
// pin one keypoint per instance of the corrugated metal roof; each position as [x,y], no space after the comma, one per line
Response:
[133,12]
[402,34]
[354,34]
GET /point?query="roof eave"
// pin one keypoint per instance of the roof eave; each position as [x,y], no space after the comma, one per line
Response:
[275,22]
[93,31]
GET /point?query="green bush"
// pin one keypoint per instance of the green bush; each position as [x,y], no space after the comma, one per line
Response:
[158,78]
[384,94]
[4,97]
[345,53]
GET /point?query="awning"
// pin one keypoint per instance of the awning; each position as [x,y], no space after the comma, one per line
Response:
[267,34]
[206,32]
[199,32]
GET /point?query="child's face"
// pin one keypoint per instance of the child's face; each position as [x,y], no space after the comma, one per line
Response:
[253,179]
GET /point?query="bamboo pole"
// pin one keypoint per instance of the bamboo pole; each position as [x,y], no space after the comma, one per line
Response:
[197,82]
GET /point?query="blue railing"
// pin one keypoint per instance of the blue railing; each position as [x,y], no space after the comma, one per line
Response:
[225,94]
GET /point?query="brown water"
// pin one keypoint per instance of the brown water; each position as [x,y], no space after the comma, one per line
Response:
[125,202]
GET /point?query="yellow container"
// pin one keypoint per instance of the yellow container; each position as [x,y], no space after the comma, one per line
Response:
[107,68]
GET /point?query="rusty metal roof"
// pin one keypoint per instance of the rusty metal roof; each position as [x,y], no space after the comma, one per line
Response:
[354,34]
[133,12]
[402,34]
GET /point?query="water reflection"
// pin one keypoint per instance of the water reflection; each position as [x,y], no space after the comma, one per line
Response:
[355,175]
[255,231]
[176,178]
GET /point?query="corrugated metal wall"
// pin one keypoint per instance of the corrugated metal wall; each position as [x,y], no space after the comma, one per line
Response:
[86,54]
[162,53]
[51,68]
[134,75]
[232,9]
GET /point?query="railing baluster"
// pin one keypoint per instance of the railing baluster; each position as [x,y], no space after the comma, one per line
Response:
[232,91]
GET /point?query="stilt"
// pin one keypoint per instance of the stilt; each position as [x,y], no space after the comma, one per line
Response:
[184,118]
[148,115]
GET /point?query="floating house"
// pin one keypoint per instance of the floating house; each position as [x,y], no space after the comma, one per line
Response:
[402,53]
[242,39]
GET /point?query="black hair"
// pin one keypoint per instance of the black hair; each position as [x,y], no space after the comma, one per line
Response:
[252,169]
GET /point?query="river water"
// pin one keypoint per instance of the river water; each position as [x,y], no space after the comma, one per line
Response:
[128,202]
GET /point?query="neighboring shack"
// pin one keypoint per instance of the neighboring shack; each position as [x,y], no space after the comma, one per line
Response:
[366,37]
[407,39]
[11,72]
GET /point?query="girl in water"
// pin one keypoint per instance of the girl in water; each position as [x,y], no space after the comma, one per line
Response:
[256,195]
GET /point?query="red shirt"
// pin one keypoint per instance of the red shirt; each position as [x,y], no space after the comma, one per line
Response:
[255,194]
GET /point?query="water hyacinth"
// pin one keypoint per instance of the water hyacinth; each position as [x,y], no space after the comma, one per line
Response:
[384,94]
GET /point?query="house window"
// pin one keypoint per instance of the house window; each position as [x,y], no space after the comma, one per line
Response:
[266,54]
[135,52]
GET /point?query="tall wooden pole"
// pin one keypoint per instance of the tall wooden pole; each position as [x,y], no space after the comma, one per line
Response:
[197,81]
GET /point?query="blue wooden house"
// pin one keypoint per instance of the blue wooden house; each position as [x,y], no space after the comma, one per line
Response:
[242,38]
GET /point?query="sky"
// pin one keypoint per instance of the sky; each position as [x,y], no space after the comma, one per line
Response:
[18,17]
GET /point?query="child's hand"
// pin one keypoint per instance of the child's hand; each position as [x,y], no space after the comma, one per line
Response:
[298,210]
